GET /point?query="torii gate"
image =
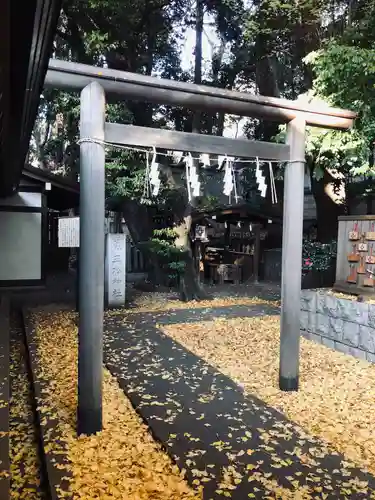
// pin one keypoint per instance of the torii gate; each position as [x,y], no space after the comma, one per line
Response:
[94,83]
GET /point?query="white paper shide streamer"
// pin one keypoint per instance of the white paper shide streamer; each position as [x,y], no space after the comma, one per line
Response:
[204,158]
[192,179]
[221,160]
[154,175]
[272,183]
[229,178]
[146,185]
[260,179]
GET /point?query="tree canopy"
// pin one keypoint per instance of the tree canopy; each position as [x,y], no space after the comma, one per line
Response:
[314,48]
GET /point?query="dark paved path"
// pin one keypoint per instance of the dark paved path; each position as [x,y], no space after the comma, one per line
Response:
[234,445]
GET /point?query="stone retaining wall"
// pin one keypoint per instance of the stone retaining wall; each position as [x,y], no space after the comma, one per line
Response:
[345,325]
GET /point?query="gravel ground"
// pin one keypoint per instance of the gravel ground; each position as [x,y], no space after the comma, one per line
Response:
[337,394]
[121,462]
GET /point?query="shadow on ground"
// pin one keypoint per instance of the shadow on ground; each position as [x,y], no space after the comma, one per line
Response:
[233,445]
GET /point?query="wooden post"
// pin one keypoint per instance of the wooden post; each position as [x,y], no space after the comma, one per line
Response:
[292,257]
[77,280]
[227,235]
[256,256]
[91,265]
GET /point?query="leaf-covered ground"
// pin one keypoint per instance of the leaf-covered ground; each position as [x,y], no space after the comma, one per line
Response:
[121,462]
[24,462]
[208,428]
[234,445]
[365,298]
[228,296]
[336,401]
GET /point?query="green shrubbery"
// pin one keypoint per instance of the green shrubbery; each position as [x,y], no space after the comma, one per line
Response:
[317,256]
[170,257]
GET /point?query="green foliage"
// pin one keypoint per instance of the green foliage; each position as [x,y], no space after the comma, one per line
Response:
[317,256]
[125,175]
[279,20]
[344,152]
[207,202]
[262,46]
[171,258]
[345,77]
[250,188]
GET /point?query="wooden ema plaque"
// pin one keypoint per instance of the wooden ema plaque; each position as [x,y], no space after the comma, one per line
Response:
[355,266]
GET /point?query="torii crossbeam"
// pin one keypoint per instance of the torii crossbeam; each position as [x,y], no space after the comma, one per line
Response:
[95,83]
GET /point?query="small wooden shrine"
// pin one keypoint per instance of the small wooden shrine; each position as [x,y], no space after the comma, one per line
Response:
[355,266]
[230,242]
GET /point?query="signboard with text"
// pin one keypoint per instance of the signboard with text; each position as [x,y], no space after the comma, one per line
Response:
[68,231]
[115,269]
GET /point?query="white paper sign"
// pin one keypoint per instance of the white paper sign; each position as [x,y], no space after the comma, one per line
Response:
[115,269]
[68,232]
[200,233]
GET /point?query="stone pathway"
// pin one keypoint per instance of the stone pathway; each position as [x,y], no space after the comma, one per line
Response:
[233,445]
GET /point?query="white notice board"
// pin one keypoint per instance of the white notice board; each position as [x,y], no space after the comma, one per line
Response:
[68,232]
[115,269]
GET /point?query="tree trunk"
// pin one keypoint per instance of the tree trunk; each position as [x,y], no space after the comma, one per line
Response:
[266,80]
[199,15]
[328,207]
[190,287]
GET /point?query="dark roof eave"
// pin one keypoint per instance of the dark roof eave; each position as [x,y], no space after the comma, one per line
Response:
[244,208]
[26,68]
[58,181]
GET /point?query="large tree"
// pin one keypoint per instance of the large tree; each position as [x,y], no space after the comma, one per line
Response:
[143,37]
[260,46]
[327,46]
[344,71]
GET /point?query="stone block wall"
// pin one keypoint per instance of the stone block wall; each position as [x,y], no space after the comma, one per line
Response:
[345,325]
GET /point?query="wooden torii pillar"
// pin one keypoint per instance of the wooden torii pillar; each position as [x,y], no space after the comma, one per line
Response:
[291,266]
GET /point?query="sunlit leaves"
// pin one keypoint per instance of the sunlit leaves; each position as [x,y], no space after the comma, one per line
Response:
[122,461]
[247,351]
[345,77]
[23,442]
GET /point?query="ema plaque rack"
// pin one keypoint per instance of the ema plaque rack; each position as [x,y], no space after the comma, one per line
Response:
[355,266]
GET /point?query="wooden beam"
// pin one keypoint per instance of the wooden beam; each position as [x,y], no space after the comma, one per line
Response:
[74,76]
[256,255]
[131,135]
